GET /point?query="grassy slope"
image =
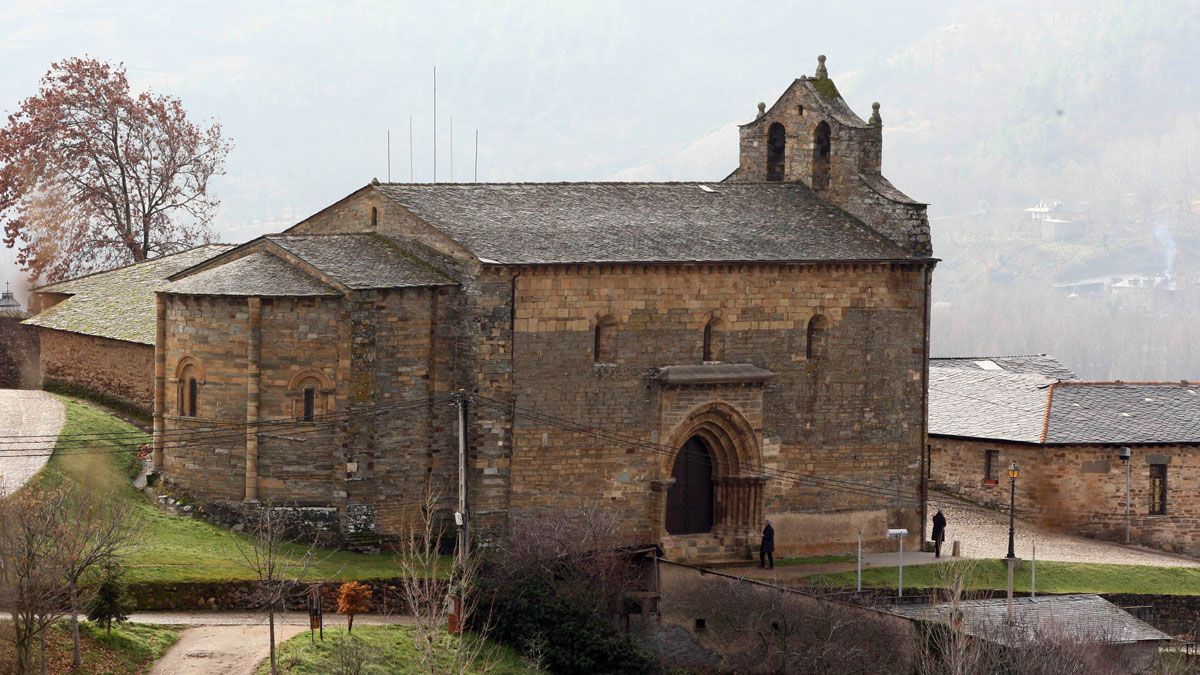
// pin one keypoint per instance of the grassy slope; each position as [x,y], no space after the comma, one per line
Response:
[1052,577]
[391,649]
[173,548]
[130,648]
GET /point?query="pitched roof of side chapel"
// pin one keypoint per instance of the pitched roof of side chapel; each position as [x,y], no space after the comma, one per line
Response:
[561,223]
[117,304]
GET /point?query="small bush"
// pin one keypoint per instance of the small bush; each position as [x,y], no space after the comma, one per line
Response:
[353,598]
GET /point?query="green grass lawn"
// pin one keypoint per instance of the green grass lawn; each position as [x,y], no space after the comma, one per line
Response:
[1052,577]
[388,649]
[130,648]
[174,548]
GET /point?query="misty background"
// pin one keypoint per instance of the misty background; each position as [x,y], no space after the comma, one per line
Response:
[1058,147]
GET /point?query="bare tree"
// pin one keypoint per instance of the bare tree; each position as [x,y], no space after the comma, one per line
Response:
[267,554]
[93,176]
[101,528]
[437,600]
[33,567]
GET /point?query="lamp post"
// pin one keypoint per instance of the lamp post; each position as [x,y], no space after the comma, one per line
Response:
[1124,455]
[1013,472]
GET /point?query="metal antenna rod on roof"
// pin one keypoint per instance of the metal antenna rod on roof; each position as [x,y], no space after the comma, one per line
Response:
[389,154]
[452,148]
[435,124]
[476,156]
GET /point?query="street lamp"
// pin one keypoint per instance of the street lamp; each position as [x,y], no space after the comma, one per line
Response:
[1013,472]
[1124,455]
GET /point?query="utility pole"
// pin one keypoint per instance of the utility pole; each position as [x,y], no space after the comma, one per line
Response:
[460,517]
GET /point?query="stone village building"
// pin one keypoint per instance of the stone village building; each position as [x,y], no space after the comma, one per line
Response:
[1066,436]
[691,357]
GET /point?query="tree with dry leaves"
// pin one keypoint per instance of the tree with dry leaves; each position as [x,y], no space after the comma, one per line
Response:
[353,598]
[94,175]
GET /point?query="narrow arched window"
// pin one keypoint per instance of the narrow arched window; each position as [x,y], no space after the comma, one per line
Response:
[310,404]
[310,392]
[822,148]
[604,350]
[374,216]
[776,151]
[817,328]
[193,395]
[714,340]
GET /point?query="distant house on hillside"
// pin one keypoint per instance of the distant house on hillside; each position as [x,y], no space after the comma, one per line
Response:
[97,331]
[1066,436]
[1053,220]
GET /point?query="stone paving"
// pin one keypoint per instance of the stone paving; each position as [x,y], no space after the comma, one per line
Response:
[35,415]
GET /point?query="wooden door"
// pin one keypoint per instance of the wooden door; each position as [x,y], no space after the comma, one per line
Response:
[690,499]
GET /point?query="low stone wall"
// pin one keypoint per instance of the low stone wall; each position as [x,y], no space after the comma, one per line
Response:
[19,346]
[112,371]
[387,596]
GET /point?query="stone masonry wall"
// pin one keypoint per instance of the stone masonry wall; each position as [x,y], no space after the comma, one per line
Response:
[853,413]
[1081,489]
[122,372]
[19,346]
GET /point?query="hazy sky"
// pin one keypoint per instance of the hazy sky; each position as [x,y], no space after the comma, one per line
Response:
[558,90]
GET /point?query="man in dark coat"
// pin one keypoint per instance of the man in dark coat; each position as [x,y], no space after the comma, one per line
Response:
[939,533]
[766,551]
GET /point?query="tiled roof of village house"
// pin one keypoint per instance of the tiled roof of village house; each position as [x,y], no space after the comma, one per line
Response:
[1030,364]
[548,223]
[1081,619]
[1026,408]
[258,273]
[117,304]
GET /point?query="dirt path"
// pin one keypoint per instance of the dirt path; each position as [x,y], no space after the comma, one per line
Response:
[37,415]
[220,650]
[232,643]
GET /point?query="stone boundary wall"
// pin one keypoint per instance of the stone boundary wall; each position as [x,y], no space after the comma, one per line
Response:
[387,596]
[19,346]
[114,371]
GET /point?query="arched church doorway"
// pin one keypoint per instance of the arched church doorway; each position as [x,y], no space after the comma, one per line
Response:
[690,498]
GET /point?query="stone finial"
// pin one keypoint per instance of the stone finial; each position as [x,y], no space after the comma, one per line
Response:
[822,73]
[875,118]
[375,181]
[762,108]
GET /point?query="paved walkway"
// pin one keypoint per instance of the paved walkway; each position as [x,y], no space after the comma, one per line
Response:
[984,534]
[26,413]
[233,643]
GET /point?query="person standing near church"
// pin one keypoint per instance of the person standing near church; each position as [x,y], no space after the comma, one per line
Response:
[766,551]
[939,533]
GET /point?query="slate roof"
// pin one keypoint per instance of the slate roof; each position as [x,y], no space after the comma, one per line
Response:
[1030,408]
[1036,364]
[549,223]
[361,261]
[117,304]
[1126,413]
[987,404]
[1087,619]
[259,273]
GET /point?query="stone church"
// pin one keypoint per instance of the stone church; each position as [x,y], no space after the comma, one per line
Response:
[692,357]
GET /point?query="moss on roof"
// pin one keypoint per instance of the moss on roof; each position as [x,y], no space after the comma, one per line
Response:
[118,304]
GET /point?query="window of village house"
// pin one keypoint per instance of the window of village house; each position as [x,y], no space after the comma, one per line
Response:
[714,340]
[1158,489]
[991,466]
[605,348]
[817,327]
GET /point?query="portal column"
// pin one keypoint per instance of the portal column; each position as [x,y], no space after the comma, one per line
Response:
[253,383]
